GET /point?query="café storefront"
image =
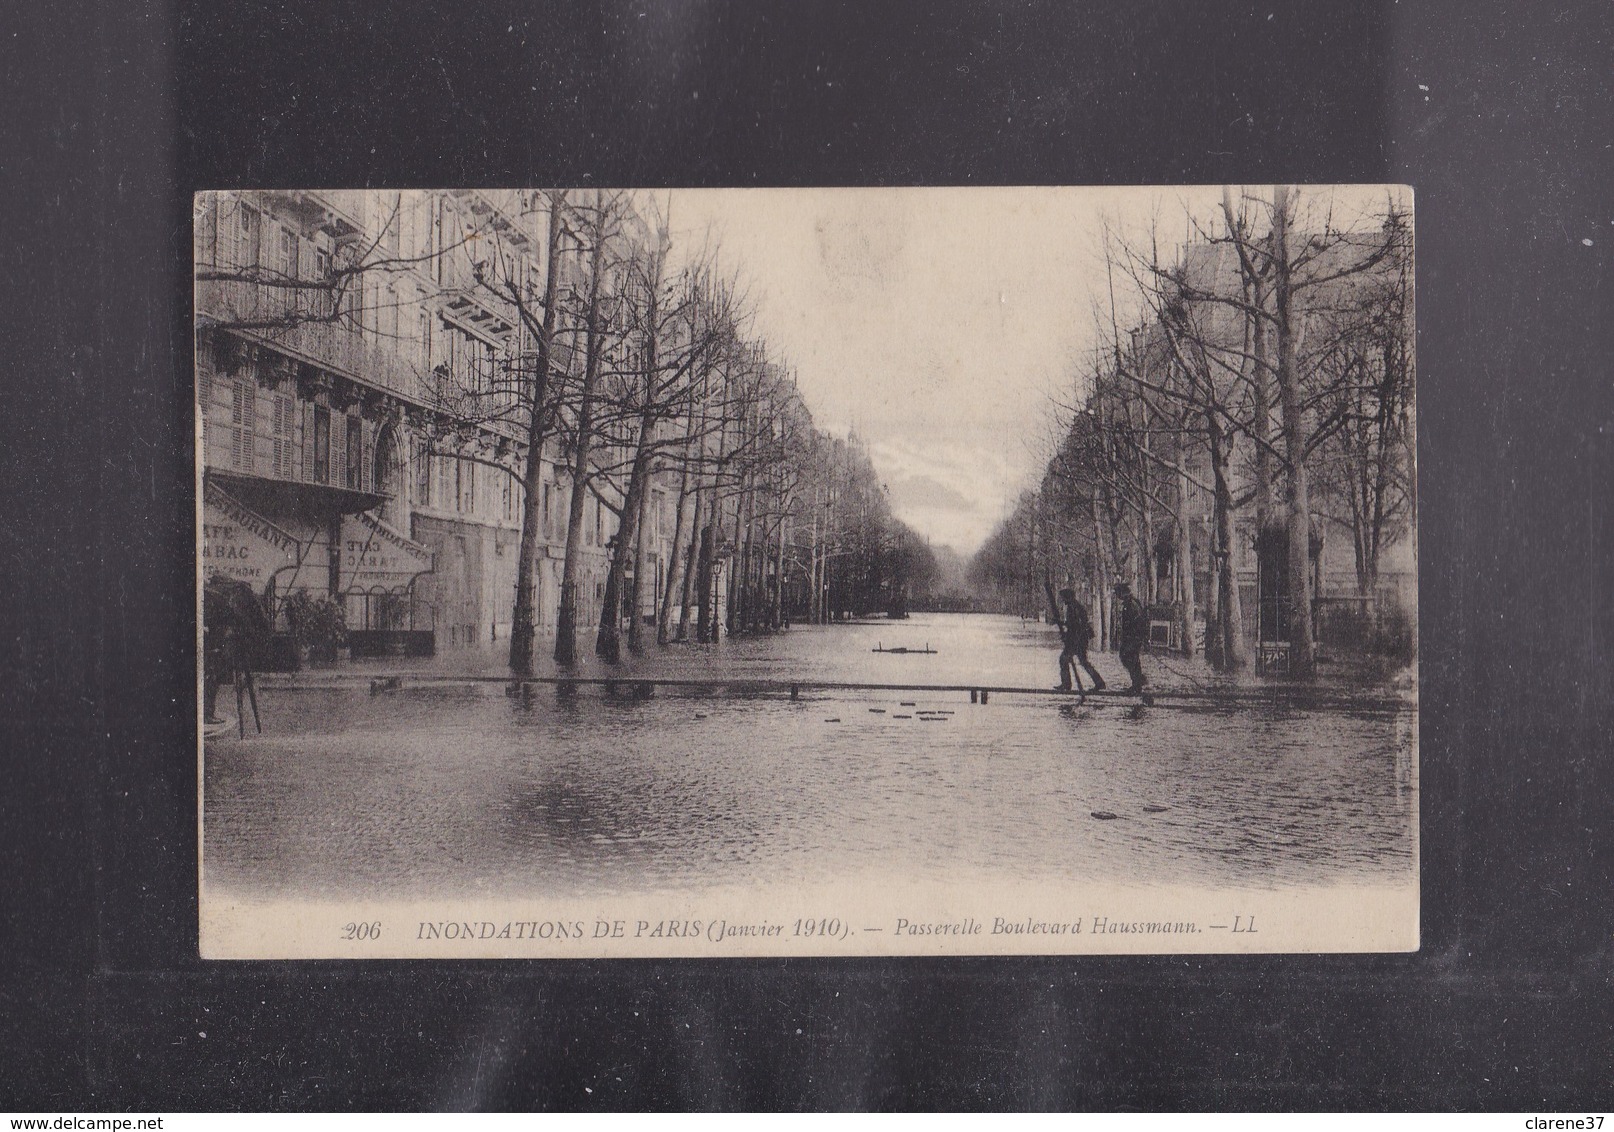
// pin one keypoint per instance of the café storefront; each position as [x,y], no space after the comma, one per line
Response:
[379,570]
[299,543]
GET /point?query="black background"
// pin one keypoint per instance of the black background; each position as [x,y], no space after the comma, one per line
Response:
[116,113]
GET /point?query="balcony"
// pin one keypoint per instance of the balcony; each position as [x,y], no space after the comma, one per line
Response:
[500,210]
[268,316]
[339,212]
[475,313]
[281,319]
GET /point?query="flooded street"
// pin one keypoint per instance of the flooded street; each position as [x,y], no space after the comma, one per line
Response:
[460,790]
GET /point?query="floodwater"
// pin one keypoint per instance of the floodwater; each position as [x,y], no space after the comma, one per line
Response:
[459,790]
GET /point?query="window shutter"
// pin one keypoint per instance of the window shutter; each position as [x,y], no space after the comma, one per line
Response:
[338,468]
[240,229]
[353,470]
[289,416]
[366,460]
[285,250]
[249,424]
[284,432]
[242,414]
[308,443]
[276,454]
[204,402]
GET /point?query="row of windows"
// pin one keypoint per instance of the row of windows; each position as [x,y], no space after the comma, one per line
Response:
[263,436]
[419,231]
[338,449]
[252,239]
[391,309]
[383,305]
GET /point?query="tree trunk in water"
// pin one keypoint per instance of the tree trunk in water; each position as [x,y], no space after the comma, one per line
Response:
[691,567]
[812,565]
[1144,586]
[1255,368]
[524,618]
[779,577]
[676,573]
[608,641]
[636,591]
[1185,549]
[750,609]
[736,586]
[1261,430]
[1301,651]
[739,567]
[1112,525]
[1229,612]
[703,581]
[566,620]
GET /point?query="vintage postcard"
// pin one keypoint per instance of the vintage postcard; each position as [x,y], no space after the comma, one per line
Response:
[772,572]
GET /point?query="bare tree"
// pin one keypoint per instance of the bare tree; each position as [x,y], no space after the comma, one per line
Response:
[652,398]
[541,408]
[601,224]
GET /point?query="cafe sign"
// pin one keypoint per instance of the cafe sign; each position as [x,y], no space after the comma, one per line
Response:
[241,544]
[377,558]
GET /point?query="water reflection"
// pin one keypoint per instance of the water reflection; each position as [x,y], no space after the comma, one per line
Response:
[454,790]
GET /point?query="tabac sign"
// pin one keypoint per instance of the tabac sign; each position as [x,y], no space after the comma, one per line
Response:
[376,558]
[241,544]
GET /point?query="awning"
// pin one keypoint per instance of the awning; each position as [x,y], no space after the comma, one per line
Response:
[240,544]
[377,559]
[312,501]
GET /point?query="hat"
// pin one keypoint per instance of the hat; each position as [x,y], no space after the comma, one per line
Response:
[1122,588]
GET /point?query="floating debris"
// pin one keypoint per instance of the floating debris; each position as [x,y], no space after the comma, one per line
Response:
[908,703]
[902,717]
[700,715]
[837,719]
[1155,809]
[878,710]
[1104,815]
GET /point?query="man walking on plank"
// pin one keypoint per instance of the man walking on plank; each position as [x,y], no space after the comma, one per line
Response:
[1076,630]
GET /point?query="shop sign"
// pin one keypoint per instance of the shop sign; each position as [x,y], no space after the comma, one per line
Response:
[241,544]
[376,557]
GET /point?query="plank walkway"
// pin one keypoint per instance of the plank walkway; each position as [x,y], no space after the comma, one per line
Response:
[644,687]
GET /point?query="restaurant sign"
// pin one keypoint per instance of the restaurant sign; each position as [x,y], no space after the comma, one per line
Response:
[241,544]
[376,558]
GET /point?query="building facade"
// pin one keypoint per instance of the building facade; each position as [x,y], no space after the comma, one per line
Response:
[359,379]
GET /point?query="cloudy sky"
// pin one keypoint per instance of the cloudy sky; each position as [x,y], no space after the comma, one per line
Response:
[940,323]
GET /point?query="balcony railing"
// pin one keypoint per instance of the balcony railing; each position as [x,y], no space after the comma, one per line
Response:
[289,320]
[501,209]
[472,311]
[339,212]
[274,316]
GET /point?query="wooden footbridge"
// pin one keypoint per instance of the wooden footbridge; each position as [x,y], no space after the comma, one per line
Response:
[643,687]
